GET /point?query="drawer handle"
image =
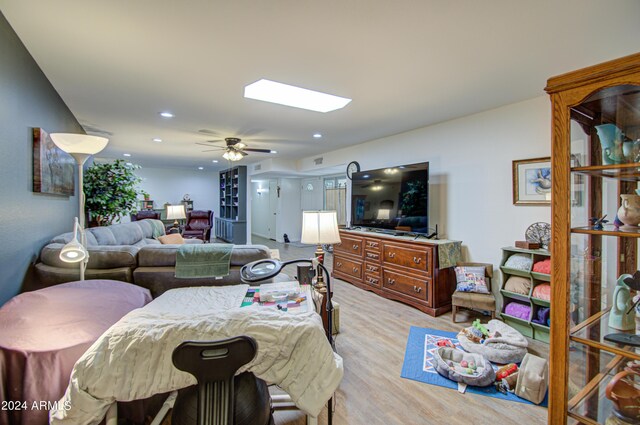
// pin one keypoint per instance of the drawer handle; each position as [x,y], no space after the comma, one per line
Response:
[355,246]
[417,260]
[392,255]
[372,268]
[391,281]
[417,289]
[338,264]
[355,270]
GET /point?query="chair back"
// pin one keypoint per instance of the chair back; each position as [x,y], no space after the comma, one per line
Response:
[488,270]
[214,364]
[144,214]
[199,220]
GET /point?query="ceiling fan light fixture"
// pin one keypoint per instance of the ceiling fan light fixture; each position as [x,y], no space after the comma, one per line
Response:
[297,97]
[232,155]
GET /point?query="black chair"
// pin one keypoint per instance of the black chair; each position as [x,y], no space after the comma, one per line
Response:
[219,398]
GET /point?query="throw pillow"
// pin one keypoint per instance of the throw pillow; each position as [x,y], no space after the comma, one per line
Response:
[518,310]
[519,262]
[543,266]
[471,279]
[518,285]
[172,238]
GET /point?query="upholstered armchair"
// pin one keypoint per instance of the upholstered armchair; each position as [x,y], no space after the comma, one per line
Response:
[198,225]
[144,214]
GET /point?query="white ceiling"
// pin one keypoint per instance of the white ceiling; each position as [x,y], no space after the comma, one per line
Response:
[405,63]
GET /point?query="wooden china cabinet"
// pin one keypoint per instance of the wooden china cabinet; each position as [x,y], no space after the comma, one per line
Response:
[595,159]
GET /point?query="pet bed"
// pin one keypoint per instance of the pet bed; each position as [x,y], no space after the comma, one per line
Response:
[468,368]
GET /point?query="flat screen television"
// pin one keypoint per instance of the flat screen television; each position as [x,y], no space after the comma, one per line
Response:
[394,199]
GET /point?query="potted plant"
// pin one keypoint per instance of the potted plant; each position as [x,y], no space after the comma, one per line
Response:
[111,191]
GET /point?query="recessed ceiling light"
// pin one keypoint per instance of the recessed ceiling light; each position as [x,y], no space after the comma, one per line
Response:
[166,114]
[284,94]
[157,140]
[200,168]
[317,136]
[215,161]
[273,151]
[126,154]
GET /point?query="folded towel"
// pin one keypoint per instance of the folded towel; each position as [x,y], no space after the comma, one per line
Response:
[158,228]
[206,260]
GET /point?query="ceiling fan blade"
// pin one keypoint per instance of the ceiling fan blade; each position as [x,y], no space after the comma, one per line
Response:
[257,150]
[210,146]
[212,150]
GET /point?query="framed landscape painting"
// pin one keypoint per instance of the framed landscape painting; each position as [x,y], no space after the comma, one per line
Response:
[52,167]
[532,181]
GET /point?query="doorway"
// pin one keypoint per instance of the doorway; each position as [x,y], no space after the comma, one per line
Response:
[273,209]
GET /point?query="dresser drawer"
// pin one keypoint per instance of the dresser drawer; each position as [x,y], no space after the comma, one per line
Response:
[350,267]
[373,280]
[350,245]
[372,245]
[372,268]
[417,259]
[413,287]
[371,256]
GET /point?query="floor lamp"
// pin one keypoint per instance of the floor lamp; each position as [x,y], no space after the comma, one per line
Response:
[80,147]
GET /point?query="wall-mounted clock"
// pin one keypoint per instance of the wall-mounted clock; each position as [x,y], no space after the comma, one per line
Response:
[353,167]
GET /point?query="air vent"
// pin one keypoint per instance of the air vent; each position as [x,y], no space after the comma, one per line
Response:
[257,167]
[318,161]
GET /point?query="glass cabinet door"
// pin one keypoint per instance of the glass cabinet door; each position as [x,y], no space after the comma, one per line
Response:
[604,358]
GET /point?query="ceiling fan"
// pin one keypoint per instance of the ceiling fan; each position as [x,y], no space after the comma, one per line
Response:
[234,150]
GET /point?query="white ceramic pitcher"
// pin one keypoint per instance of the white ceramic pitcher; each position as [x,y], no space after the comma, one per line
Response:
[629,211]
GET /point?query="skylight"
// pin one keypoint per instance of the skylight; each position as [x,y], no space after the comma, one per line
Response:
[284,94]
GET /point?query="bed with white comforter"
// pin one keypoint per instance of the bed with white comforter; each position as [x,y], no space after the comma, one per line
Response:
[132,360]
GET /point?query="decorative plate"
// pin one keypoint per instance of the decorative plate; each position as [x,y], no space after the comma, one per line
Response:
[540,233]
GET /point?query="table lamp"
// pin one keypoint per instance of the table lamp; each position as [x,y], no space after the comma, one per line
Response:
[80,147]
[320,227]
[176,212]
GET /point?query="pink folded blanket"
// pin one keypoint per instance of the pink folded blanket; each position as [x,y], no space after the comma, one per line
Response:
[543,266]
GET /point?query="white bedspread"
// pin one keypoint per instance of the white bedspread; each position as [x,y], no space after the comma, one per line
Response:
[132,360]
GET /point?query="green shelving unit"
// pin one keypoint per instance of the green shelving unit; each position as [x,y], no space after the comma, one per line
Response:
[526,327]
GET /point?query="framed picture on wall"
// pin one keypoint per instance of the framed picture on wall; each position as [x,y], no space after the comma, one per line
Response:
[52,167]
[532,181]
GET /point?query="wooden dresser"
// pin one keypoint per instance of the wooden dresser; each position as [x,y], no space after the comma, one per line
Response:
[397,268]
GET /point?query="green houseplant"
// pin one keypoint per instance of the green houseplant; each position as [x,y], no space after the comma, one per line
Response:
[111,191]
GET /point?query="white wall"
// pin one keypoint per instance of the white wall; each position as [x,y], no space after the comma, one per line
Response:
[470,172]
[171,184]
[260,208]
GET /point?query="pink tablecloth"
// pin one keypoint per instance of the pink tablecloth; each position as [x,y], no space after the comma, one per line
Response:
[42,335]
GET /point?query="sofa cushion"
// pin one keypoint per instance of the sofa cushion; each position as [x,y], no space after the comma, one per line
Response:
[165,255]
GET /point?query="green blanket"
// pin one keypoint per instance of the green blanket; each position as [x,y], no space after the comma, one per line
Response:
[206,260]
[158,228]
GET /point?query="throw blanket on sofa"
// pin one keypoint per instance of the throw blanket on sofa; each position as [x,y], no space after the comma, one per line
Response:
[132,360]
[207,260]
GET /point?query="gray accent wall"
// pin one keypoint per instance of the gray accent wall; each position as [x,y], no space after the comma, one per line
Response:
[28,220]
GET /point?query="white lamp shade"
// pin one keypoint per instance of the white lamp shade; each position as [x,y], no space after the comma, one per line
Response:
[79,143]
[384,214]
[175,212]
[320,227]
[73,252]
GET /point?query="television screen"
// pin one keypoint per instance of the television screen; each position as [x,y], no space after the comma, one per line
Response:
[394,198]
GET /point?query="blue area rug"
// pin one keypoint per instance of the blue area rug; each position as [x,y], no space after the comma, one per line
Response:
[417,364]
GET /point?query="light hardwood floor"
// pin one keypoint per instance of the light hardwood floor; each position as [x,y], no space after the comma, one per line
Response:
[372,339]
